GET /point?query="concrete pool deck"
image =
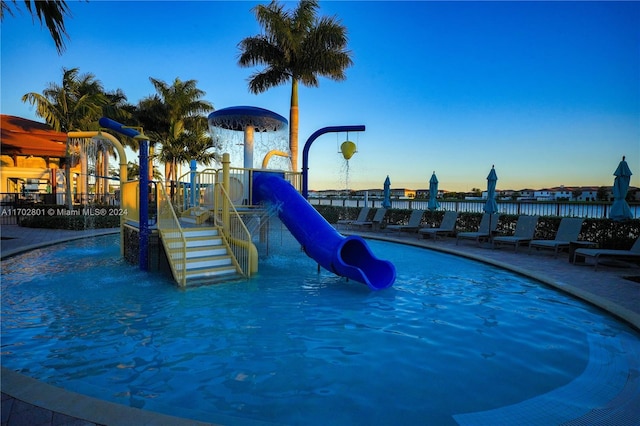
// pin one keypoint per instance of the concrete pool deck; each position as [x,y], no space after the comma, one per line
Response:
[26,401]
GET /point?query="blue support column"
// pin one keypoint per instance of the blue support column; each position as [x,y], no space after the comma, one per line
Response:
[143,253]
[307,145]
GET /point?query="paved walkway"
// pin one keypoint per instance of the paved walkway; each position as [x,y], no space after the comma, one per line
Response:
[16,239]
[26,401]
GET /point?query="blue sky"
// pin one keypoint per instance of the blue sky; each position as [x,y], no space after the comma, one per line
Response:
[549,92]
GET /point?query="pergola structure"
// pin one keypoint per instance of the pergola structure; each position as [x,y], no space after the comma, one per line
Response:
[31,152]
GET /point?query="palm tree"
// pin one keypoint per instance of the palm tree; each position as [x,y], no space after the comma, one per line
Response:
[174,118]
[76,104]
[296,46]
[51,12]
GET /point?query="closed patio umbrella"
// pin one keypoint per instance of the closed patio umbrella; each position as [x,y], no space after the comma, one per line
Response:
[386,202]
[491,206]
[433,193]
[620,209]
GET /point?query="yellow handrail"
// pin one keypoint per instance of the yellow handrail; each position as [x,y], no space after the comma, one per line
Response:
[169,227]
[235,233]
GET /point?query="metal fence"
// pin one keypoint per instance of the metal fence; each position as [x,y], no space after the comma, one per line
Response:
[594,209]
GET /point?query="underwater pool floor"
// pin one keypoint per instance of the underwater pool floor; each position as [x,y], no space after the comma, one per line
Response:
[25,400]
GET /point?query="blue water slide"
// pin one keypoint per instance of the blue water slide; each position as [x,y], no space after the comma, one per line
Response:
[348,256]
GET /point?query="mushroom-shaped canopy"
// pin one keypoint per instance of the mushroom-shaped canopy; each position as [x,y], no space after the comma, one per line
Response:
[239,117]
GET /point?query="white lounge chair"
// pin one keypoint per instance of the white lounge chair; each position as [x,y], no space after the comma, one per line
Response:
[447,226]
[412,225]
[488,224]
[568,231]
[362,216]
[525,229]
[597,254]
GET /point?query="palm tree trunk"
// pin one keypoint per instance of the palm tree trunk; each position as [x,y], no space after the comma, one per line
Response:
[293,125]
[168,177]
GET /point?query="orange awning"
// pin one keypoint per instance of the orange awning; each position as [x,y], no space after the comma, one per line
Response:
[26,137]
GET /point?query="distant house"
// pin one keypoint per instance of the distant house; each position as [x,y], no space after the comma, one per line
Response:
[543,194]
[588,193]
[396,193]
[562,193]
[526,195]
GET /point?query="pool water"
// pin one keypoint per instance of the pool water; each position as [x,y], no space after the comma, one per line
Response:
[294,346]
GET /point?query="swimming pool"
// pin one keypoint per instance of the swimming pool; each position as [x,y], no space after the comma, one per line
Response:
[293,346]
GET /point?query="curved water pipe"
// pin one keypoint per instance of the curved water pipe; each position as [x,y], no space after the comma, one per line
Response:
[345,256]
[116,143]
[307,145]
[143,217]
[265,160]
[122,156]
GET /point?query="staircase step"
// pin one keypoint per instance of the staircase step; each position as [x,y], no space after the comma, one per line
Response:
[197,252]
[195,242]
[223,271]
[201,232]
[208,262]
[194,232]
[207,257]
[200,252]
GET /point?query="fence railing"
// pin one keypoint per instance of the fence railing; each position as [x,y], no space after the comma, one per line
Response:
[236,235]
[240,187]
[173,239]
[593,210]
[204,190]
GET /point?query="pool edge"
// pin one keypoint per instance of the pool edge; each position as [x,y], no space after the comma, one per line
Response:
[90,409]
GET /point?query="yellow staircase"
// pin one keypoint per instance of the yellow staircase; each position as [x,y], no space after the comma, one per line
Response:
[207,256]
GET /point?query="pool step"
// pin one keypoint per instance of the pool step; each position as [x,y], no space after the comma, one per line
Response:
[207,257]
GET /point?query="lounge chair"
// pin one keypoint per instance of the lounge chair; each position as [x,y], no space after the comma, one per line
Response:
[362,216]
[447,226]
[375,222]
[568,231]
[596,254]
[412,225]
[488,224]
[525,228]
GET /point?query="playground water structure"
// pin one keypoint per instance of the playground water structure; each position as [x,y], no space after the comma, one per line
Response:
[458,342]
[346,256]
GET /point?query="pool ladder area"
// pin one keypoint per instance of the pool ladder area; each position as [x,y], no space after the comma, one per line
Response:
[196,248]
[208,257]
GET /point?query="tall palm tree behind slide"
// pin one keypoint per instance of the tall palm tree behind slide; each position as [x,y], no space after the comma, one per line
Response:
[298,46]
